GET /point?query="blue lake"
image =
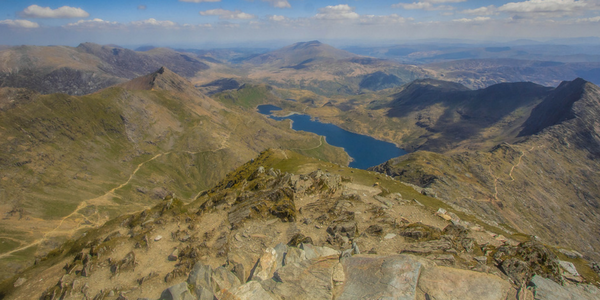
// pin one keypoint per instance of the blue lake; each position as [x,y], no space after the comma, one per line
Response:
[365,150]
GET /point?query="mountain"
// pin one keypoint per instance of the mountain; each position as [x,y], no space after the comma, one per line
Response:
[480,73]
[71,163]
[545,184]
[300,55]
[325,70]
[88,67]
[300,232]
[436,115]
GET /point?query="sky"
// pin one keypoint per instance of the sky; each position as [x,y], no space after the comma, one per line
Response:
[205,23]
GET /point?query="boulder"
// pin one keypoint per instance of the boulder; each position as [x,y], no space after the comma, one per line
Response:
[546,289]
[568,267]
[201,278]
[309,279]
[265,266]
[449,283]
[312,252]
[224,279]
[249,291]
[177,292]
[388,277]
[294,255]
[280,252]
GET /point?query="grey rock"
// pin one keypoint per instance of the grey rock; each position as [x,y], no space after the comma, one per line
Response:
[174,255]
[570,254]
[249,291]
[390,277]
[309,279]
[177,292]
[385,201]
[201,278]
[389,236]
[546,289]
[569,267]
[280,253]
[450,283]
[225,280]
[19,282]
[355,248]
[481,259]
[265,266]
[294,255]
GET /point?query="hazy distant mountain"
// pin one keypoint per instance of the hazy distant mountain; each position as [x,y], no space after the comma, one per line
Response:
[300,55]
[86,68]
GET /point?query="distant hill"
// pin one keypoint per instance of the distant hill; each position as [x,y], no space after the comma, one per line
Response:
[88,67]
[301,55]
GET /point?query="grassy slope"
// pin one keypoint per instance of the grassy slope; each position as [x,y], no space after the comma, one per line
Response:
[59,151]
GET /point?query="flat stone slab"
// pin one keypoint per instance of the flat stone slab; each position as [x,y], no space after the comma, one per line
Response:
[309,279]
[546,289]
[449,283]
[383,277]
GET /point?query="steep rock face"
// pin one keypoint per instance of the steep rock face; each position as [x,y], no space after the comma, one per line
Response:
[546,185]
[556,108]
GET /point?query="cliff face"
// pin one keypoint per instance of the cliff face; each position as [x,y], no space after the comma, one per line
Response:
[546,185]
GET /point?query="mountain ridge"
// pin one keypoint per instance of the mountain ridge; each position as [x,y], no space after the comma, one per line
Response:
[543,183]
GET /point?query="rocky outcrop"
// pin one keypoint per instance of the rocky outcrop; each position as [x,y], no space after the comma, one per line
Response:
[341,244]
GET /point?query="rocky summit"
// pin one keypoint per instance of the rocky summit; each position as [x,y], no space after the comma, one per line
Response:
[322,232]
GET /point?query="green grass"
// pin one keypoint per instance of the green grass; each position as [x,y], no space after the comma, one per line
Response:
[8,244]
[247,97]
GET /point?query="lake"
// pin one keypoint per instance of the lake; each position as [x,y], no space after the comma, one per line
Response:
[365,150]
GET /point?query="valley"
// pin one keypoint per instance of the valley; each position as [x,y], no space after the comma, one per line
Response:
[165,153]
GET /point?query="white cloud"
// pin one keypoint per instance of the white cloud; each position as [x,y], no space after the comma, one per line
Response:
[277,18]
[476,19]
[427,5]
[545,6]
[35,11]
[154,22]
[375,20]
[94,23]
[444,1]
[481,11]
[224,14]
[279,3]
[588,20]
[199,1]
[19,23]
[337,12]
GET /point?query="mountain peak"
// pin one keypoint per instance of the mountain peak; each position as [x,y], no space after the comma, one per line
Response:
[162,79]
[556,107]
[301,55]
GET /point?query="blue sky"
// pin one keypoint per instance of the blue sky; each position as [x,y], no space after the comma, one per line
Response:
[201,22]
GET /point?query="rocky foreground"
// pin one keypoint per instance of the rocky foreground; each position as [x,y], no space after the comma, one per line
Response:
[264,234]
